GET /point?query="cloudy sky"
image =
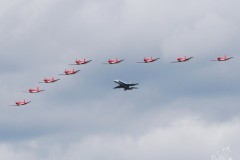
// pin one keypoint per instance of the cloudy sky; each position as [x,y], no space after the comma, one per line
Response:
[180,111]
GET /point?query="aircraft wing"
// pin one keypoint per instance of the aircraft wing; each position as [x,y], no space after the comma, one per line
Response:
[88,61]
[134,87]
[229,58]
[27,102]
[121,60]
[117,87]
[155,59]
[132,84]
[121,83]
[175,62]
[77,71]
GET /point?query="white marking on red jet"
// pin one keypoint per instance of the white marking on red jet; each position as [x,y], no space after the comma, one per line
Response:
[148,60]
[21,103]
[79,62]
[69,72]
[37,90]
[114,61]
[223,58]
[124,85]
[49,80]
[182,59]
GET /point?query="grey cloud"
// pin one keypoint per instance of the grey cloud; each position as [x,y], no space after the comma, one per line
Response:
[191,139]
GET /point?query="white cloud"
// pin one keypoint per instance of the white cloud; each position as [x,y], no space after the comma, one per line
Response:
[83,114]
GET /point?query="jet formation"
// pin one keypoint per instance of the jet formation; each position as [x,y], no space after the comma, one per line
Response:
[121,84]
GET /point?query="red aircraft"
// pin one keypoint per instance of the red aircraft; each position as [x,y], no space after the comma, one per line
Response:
[37,90]
[79,62]
[148,60]
[114,61]
[223,58]
[69,72]
[21,103]
[182,59]
[49,80]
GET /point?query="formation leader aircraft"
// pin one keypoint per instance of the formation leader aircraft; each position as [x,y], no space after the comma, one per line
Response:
[21,103]
[148,60]
[79,62]
[49,80]
[222,58]
[124,85]
[182,59]
[114,61]
[69,72]
[37,90]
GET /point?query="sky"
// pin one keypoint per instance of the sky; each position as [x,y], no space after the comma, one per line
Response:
[180,111]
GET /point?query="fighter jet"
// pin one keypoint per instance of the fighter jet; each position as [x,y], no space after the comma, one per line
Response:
[223,58]
[182,59]
[49,80]
[21,103]
[37,90]
[69,72]
[114,61]
[79,62]
[148,60]
[125,86]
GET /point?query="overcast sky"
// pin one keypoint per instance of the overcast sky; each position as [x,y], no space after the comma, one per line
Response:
[180,111]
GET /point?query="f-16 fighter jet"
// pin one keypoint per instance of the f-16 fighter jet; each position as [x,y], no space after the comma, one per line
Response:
[223,58]
[21,103]
[148,60]
[182,59]
[114,61]
[69,72]
[125,86]
[79,62]
[37,90]
[49,80]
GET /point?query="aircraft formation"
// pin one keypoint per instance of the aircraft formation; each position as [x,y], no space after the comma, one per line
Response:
[123,85]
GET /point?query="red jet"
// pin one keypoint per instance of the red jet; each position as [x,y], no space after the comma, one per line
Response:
[37,90]
[114,61]
[223,58]
[21,103]
[148,60]
[49,80]
[79,62]
[182,59]
[69,72]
